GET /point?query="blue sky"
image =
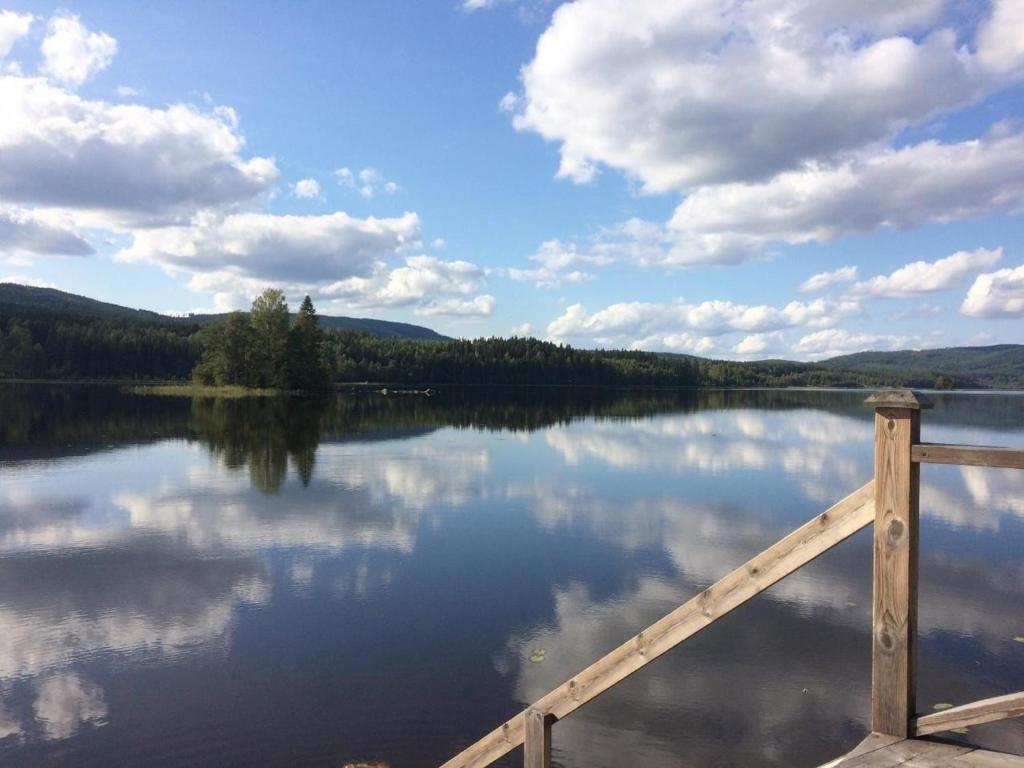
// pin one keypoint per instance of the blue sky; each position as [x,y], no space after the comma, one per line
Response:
[658,175]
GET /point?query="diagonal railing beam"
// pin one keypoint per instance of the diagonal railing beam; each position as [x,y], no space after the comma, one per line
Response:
[800,547]
[975,713]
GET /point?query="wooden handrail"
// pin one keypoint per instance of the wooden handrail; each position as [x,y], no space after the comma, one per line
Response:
[800,547]
[890,501]
[971,455]
[975,713]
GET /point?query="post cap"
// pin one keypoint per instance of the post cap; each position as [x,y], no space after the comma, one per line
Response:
[898,398]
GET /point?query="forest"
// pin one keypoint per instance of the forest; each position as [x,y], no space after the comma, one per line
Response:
[268,347]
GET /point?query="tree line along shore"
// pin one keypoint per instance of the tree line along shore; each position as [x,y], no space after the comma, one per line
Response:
[270,349]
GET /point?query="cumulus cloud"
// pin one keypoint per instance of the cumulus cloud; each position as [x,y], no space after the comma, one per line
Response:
[13,27]
[692,93]
[558,263]
[823,280]
[831,342]
[759,344]
[900,189]
[480,306]
[996,294]
[304,249]
[367,181]
[427,284]
[72,54]
[776,119]
[23,233]
[306,188]
[683,325]
[927,277]
[35,282]
[124,164]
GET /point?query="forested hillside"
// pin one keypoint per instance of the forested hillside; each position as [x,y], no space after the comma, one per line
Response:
[128,344]
[26,300]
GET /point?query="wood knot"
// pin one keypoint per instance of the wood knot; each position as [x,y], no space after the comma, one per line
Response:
[640,644]
[896,529]
[885,640]
[891,425]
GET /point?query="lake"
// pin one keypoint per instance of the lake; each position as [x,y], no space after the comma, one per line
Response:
[296,581]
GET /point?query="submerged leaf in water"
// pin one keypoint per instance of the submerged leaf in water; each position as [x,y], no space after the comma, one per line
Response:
[943,705]
[537,655]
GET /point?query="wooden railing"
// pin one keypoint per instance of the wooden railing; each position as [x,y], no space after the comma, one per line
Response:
[890,501]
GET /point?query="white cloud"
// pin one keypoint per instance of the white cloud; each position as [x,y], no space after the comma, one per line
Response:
[427,284]
[683,325]
[996,294]
[775,119]
[424,275]
[758,344]
[999,39]
[306,188]
[556,260]
[927,277]
[120,165]
[523,331]
[831,342]
[300,249]
[128,92]
[72,54]
[24,233]
[35,282]
[823,280]
[479,306]
[694,92]
[13,27]
[901,189]
[367,181]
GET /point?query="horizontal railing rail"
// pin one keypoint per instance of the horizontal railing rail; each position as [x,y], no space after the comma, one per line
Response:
[969,455]
[890,501]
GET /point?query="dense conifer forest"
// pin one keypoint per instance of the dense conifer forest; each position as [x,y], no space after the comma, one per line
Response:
[269,347]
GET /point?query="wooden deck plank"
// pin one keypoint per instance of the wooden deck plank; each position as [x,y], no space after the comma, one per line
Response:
[884,751]
[982,759]
[907,753]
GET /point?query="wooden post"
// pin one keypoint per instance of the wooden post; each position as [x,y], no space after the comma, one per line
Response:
[894,614]
[537,744]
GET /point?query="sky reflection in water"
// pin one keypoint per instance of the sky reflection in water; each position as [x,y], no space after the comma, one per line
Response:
[302,582]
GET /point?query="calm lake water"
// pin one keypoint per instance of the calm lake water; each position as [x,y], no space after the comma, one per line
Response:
[297,582]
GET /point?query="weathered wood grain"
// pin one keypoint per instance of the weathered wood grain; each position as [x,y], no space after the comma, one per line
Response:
[981,758]
[537,740]
[898,398]
[871,742]
[970,455]
[908,753]
[797,549]
[894,612]
[975,713]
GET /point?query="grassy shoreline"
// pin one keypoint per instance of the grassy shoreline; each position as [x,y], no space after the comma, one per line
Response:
[200,390]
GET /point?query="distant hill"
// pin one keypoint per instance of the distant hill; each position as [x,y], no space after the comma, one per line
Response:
[63,335]
[25,299]
[998,365]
